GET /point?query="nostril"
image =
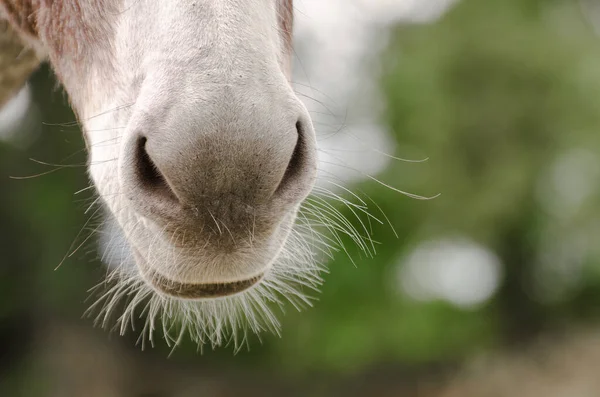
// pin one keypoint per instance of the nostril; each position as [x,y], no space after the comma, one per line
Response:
[294,167]
[148,174]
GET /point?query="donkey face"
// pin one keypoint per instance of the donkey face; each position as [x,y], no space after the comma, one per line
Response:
[198,146]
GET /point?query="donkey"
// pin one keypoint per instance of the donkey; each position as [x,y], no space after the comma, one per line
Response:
[199,149]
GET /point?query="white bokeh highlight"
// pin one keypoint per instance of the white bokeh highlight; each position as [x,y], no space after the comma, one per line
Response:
[456,270]
[571,180]
[19,124]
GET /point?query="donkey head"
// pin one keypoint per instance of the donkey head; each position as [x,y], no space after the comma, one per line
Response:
[198,146]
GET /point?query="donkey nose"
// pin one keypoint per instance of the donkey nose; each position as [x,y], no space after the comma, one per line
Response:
[167,175]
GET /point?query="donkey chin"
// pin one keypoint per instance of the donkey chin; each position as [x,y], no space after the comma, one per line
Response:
[207,258]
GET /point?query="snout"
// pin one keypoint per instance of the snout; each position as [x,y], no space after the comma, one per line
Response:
[213,193]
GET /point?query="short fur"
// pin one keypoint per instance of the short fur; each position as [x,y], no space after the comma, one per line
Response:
[199,147]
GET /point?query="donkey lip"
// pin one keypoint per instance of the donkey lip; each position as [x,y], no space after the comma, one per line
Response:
[193,291]
[201,291]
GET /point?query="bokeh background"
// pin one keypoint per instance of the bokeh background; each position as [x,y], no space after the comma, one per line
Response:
[491,288]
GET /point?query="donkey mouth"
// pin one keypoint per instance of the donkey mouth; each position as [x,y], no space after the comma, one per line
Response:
[201,291]
[190,290]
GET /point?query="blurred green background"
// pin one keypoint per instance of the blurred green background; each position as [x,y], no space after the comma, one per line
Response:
[502,96]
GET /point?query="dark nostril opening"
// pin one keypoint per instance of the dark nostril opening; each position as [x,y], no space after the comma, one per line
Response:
[294,167]
[148,173]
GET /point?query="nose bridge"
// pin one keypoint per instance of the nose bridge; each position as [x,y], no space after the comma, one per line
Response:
[209,38]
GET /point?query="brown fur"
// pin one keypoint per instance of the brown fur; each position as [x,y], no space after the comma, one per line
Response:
[286,21]
[21,14]
[16,62]
[71,31]
[67,26]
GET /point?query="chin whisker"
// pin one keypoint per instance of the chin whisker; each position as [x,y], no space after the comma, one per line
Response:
[294,278]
